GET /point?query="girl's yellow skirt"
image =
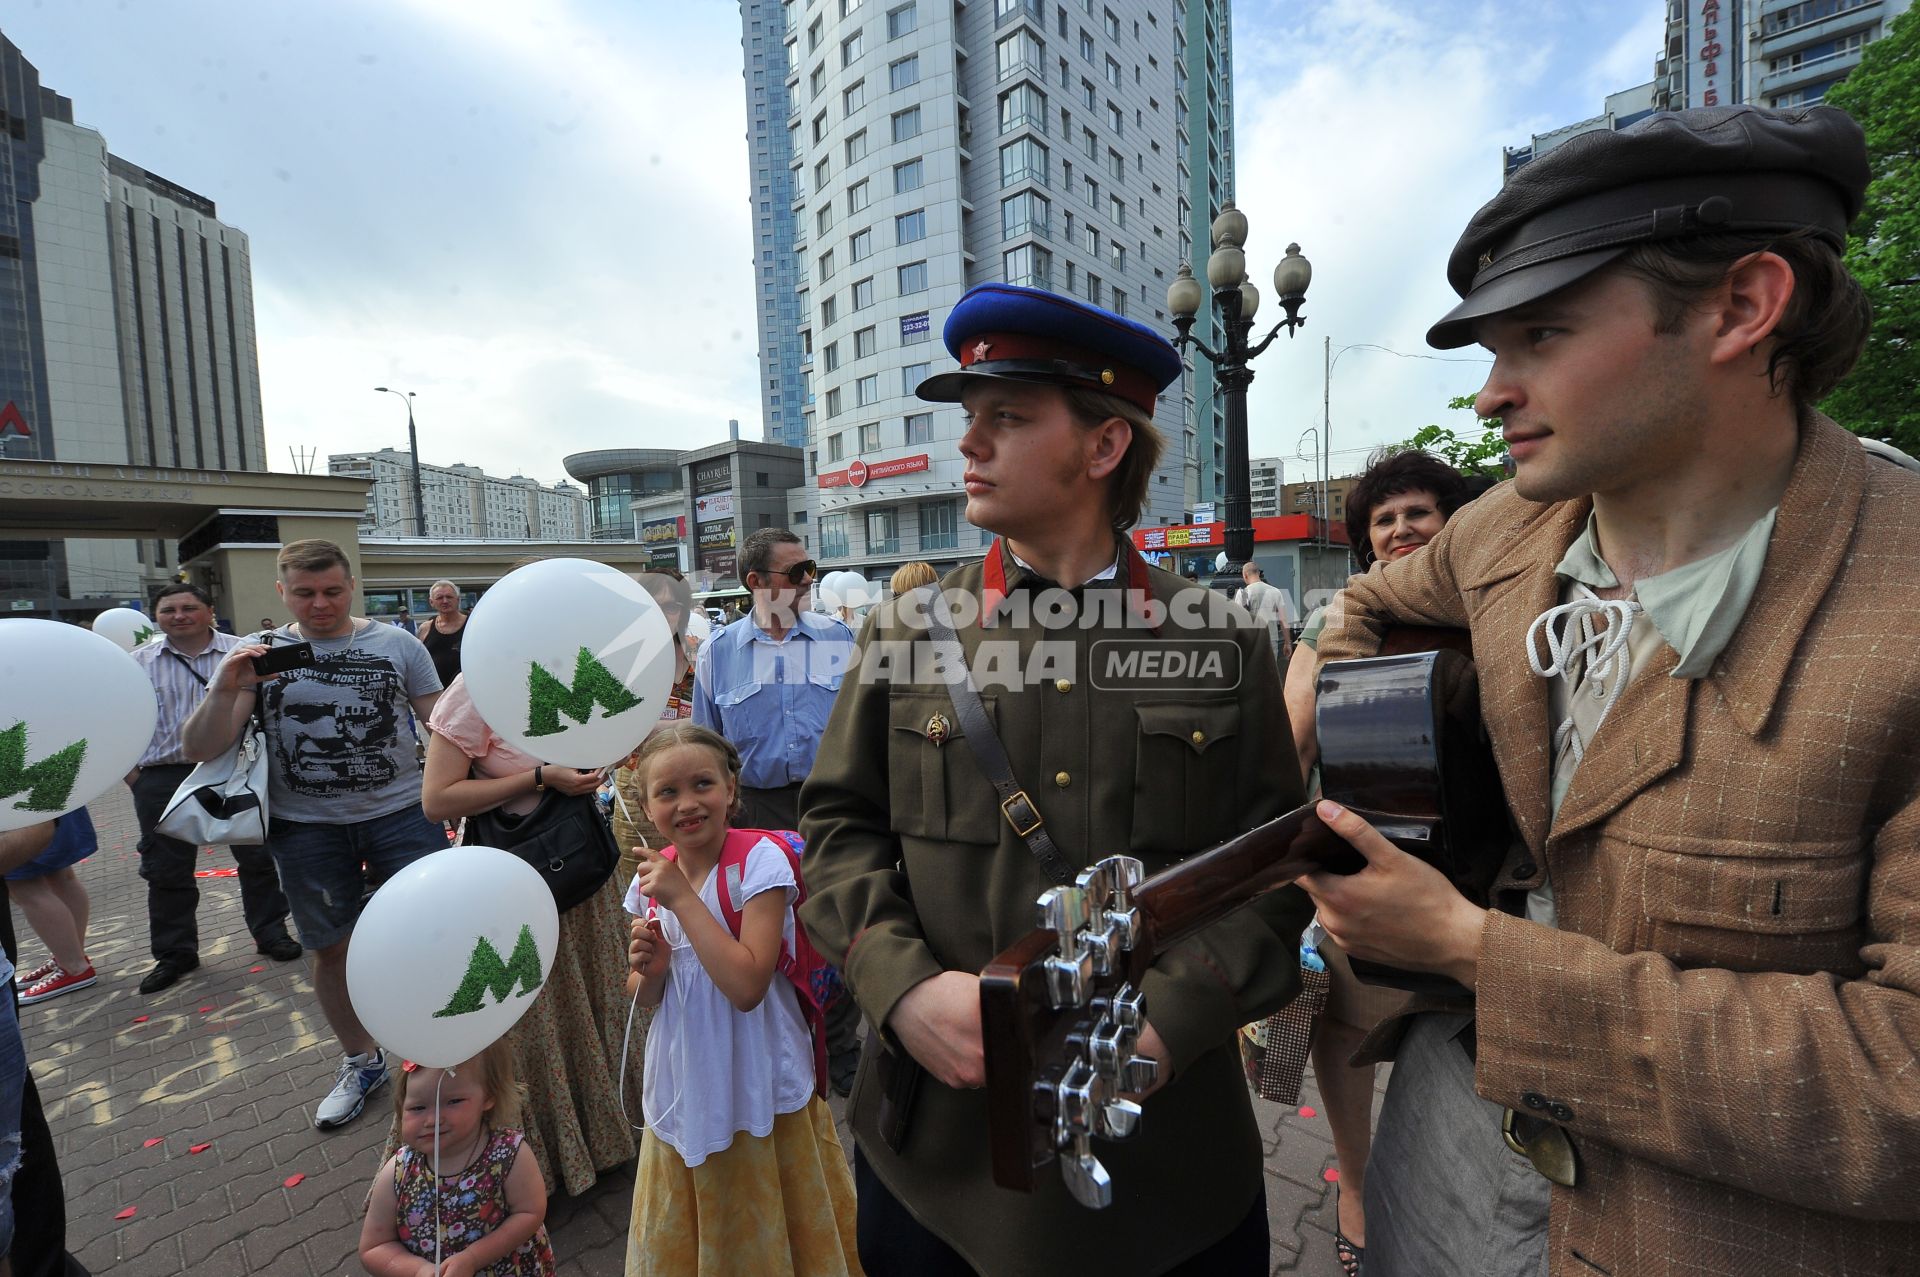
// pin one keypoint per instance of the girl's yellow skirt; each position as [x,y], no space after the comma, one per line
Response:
[781,1205]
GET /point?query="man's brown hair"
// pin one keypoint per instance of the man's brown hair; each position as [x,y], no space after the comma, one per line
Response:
[1826,322]
[312,555]
[1135,472]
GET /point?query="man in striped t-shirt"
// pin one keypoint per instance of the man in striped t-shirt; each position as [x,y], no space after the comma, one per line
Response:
[180,661]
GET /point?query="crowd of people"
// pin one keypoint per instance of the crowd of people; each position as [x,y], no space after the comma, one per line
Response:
[1692,992]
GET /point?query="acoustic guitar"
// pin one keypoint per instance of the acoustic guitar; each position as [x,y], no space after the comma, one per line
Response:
[1061,1010]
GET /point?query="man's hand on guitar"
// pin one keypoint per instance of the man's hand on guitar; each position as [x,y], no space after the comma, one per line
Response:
[938,1021]
[1398,910]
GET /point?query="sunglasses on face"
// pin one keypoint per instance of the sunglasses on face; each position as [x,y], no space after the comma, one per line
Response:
[799,574]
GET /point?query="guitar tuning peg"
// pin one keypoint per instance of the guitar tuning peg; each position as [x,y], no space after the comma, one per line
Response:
[1086,1179]
[1138,1073]
[1120,1118]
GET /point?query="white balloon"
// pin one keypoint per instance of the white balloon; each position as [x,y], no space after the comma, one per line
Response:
[857,592]
[827,589]
[1220,561]
[569,660]
[76,713]
[699,627]
[450,952]
[126,627]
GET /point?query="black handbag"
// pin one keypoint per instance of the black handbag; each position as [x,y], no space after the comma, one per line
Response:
[565,838]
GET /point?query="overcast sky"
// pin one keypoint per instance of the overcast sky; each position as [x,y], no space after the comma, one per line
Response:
[535,216]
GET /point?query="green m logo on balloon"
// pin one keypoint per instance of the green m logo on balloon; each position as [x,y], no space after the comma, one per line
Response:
[486,973]
[593,684]
[48,783]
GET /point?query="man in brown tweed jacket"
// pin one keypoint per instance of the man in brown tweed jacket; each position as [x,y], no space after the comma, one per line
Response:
[1697,998]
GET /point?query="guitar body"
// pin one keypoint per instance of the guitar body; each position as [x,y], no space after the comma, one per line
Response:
[1400,744]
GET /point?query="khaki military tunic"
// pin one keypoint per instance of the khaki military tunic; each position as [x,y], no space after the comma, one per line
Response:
[912,870]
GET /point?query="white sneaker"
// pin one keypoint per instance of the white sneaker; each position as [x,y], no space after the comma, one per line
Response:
[358,1077]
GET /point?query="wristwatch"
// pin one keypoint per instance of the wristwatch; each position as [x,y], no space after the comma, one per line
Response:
[539,782]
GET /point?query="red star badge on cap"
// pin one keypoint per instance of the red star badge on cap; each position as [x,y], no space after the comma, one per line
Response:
[980,350]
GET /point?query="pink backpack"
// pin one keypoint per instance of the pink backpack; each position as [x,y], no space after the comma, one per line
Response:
[817,983]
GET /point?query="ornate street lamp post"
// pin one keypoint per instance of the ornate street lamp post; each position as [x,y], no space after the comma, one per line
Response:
[1236,299]
[413,447]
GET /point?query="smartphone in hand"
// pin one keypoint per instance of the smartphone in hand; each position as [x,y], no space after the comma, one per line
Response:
[278,660]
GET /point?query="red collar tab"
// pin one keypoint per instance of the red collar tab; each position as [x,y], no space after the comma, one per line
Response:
[1025,355]
[993,586]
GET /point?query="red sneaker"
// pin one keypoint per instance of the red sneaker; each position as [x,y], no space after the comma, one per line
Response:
[56,984]
[22,979]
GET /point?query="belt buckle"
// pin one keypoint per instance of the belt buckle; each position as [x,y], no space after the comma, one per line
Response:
[1006,809]
[1546,1147]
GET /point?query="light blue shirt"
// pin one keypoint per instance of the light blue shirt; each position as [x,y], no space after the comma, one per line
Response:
[771,699]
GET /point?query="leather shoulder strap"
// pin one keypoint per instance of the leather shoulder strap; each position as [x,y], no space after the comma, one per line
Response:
[971,715]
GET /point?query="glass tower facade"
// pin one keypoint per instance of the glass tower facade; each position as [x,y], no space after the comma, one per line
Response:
[785,363]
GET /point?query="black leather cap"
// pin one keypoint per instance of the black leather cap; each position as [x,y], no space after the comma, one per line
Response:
[1725,169]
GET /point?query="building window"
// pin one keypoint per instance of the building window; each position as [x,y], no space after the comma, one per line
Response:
[913,278]
[859,247]
[1119,211]
[866,390]
[863,343]
[1090,238]
[1089,144]
[1113,25]
[1088,94]
[826,266]
[883,531]
[1023,213]
[906,124]
[1119,301]
[910,227]
[912,375]
[939,525]
[902,20]
[823,220]
[857,147]
[830,357]
[1113,73]
[820,127]
[908,177]
[920,428]
[850,49]
[858,196]
[833,402]
[870,438]
[1023,104]
[821,172]
[836,447]
[829,311]
[905,72]
[817,81]
[1116,121]
[863,293]
[1117,256]
[833,536]
[854,98]
[1086,46]
[1023,160]
[1116,164]
[1020,51]
[1028,265]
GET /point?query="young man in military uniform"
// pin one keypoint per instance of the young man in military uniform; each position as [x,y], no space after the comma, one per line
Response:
[1698,994]
[917,879]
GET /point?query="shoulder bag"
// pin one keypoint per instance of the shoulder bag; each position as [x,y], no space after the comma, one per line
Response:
[223,801]
[565,838]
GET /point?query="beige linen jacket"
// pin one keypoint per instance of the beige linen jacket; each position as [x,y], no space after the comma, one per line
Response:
[1727,1022]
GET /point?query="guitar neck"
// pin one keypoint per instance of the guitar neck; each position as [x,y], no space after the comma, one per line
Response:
[1202,889]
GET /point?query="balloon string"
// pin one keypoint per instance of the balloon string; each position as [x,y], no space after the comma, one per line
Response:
[440,1082]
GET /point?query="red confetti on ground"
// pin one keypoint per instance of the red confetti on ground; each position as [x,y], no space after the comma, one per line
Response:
[251,970]
[228,872]
[201,1148]
[1307,1110]
[158,1139]
[127,1213]
[204,1010]
[139,1019]
[293,1181]
[1331,1175]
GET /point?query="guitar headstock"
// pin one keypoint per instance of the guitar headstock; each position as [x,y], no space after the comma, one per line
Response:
[1061,1013]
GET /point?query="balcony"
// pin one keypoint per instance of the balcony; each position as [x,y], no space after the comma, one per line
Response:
[883,545]
[1816,70]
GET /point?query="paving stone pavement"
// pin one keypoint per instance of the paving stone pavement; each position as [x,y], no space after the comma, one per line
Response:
[235,1057]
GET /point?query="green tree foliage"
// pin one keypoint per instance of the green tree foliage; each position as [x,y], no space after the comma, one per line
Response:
[1475,451]
[1879,398]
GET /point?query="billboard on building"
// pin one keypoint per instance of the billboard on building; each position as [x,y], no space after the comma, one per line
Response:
[717,533]
[654,531]
[712,476]
[717,505]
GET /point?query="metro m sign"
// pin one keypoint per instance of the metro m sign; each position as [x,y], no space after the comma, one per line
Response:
[10,419]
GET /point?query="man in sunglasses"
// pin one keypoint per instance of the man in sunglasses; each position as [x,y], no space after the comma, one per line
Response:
[767,681]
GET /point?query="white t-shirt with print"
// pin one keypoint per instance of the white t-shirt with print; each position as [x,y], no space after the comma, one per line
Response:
[713,1071]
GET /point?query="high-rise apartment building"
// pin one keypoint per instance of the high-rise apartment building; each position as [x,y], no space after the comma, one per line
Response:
[936,144]
[126,332]
[1204,96]
[1267,477]
[462,501]
[1772,53]
[776,270]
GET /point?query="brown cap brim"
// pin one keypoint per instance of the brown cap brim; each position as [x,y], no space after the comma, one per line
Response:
[1528,284]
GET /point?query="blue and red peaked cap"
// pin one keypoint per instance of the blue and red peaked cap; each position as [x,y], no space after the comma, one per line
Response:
[1028,334]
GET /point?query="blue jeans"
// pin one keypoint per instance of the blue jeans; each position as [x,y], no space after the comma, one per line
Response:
[321,866]
[13,1080]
